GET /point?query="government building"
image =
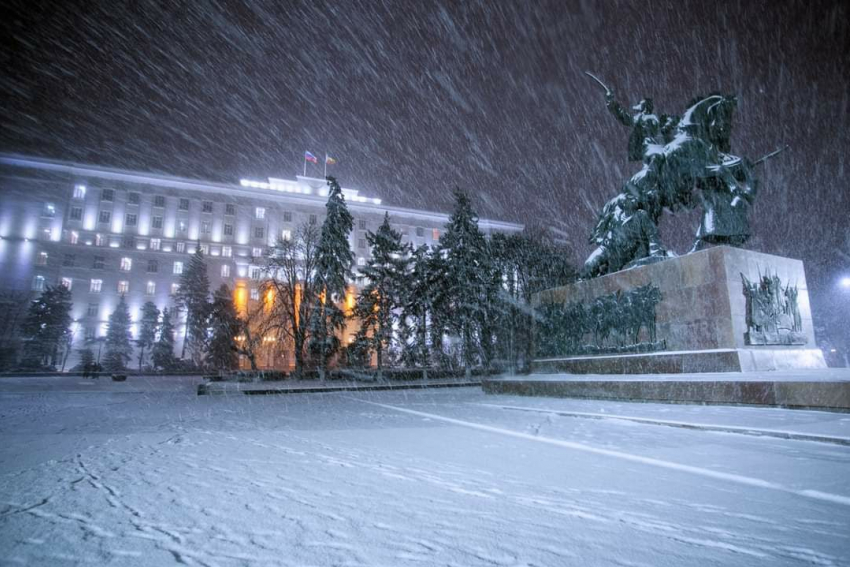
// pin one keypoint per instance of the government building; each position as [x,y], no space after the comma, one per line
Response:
[104,233]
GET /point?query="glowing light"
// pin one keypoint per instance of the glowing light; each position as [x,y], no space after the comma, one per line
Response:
[240,298]
[845,282]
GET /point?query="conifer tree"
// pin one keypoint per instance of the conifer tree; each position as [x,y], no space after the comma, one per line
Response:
[119,350]
[162,353]
[467,276]
[47,326]
[417,305]
[192,297]
[334,260]
[224,324]
[147,330]
[380,300]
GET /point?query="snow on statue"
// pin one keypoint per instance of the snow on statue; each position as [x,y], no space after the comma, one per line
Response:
[686,163]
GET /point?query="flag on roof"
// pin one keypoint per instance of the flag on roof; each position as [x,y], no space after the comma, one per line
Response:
[310,157]
[329,160]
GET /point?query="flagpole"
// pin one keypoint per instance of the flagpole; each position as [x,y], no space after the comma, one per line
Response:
[326,164]
[305,164]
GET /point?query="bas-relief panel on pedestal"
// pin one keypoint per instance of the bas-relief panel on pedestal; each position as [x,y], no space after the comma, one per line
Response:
[772,312]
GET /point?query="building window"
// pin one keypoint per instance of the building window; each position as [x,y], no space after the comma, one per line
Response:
[128,242]
[126,264]
[257,252]
[150,289]
[73,237]
[93,309]
[225,270]
[67,283]
[260,213]
[68,260]
[435,233]
[95,286]
[361,243]
[133,199]
[99,262]
[313,219]
[175,287]
[181,227]
[230,209]
[226,251]
[184,204]
[228,230]
[156,222]
[178,268]
[107,195]
[255,294]
[49,210]
[259,232]
[205,227]
[361,261]
[180,247]
[420,231]
[38,283]
[131,219]
[100,240]
[41,259]
[256,273]
[287,216]
[105,217]
[76,213]
[156,244]
[123,286]
[205,249]
[206,207]
[286,234]
[362,224]
[153,266]
[159,201]
[79,191]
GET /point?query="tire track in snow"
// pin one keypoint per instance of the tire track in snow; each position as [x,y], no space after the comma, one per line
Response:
[699,471]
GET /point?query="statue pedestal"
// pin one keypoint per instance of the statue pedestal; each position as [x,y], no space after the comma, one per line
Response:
[704,320]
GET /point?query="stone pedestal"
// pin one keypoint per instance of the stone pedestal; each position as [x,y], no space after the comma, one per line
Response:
[701,319]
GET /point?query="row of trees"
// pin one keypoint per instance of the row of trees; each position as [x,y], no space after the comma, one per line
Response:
[466,302]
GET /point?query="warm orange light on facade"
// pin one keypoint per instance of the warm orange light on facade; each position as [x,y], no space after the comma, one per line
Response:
[349,298]
[240,298]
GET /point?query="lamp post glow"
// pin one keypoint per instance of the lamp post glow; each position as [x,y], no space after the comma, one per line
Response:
[845,282]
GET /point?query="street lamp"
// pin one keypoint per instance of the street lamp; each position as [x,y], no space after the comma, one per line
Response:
[845,282]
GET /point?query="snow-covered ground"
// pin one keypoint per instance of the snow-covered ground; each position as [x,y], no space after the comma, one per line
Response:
[148,473]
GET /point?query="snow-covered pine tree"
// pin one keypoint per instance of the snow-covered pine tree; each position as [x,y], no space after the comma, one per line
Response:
[416,296]
[162,354]
[192,297]
[224,323]
[334,260]
[47,326]
[467,278]
[380,300]
[119,350]
[148,326]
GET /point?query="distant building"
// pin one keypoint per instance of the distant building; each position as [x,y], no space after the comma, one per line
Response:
[105,232]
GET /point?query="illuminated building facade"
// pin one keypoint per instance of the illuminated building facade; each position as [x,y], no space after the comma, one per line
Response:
[107,232]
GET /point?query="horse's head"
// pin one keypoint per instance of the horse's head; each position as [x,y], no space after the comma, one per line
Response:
[710,118]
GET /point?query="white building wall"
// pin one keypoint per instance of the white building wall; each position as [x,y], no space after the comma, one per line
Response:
[76,239]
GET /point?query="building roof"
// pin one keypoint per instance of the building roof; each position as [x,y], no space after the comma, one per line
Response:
[304,190]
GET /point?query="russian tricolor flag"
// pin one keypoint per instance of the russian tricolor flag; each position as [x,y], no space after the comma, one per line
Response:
[310,157]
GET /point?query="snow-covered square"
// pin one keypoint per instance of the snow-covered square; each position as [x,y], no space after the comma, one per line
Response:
[148,473]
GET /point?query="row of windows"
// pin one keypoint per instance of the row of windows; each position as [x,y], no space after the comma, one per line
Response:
[133,198]
[96,285]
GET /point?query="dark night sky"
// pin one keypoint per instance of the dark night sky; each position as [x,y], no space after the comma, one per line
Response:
[414,98]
